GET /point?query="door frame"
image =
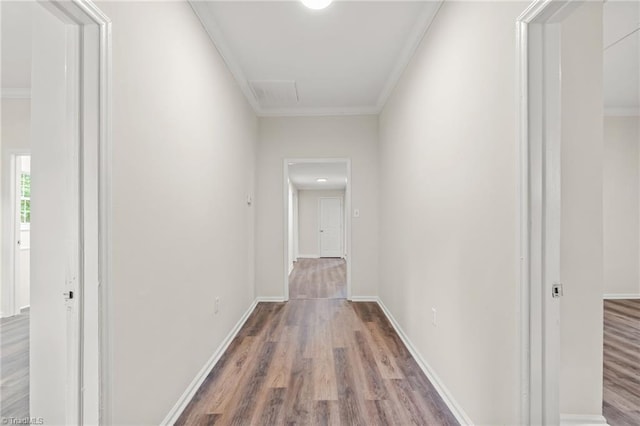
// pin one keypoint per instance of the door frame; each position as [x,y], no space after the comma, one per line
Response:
[94,62]
[347,221]
[539,134]
[342,227]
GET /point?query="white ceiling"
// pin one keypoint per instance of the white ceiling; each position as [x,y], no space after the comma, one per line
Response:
[344,59]
[16,44]
[304,175]
[622,57]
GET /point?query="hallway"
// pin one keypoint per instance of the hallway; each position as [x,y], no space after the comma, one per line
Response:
[324,278]
[317,359]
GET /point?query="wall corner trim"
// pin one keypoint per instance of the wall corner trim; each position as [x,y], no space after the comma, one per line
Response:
[195,384]
[270,299]
[582,419]
[617,296]
[308,256]
[365,299]
[445,394]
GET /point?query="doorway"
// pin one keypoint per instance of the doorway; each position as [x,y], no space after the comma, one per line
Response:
[317,228]
[561,212]
[55,103]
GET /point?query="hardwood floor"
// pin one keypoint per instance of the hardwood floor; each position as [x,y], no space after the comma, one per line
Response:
[324,278]
[621,405]
[14,366]
[317,361]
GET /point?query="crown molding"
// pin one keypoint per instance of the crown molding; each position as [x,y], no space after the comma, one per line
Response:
[204,14]
[201,9]
[621,112]
[16,93]
[418,33]
[317,112]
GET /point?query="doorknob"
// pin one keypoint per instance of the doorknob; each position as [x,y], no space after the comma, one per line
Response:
[321,230]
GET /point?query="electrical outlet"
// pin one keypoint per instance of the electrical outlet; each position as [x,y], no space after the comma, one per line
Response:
[434,320]
[217,305]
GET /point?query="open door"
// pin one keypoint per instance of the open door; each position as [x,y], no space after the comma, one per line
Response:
[55,220]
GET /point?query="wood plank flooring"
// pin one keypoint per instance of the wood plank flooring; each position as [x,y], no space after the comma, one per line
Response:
[317,361]
[14,366]
[324,278]
[621,396]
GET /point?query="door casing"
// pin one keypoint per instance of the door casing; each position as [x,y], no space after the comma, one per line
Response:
[285,205]
[539,132]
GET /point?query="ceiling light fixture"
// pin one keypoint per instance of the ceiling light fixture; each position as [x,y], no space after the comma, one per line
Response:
[316,4]
[321,180]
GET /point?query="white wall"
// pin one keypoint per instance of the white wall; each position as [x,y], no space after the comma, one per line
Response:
[621,210]
[308,219]
[355,137]
[581,248]
[448,206]
[183,161]
[16,136]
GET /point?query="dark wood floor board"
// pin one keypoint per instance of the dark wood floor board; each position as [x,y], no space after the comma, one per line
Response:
[621,369]
[317,361]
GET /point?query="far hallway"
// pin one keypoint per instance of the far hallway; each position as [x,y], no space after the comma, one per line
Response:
[324,278]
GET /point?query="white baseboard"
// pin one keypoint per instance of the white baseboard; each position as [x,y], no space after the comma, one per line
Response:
[308,256]
[582,420]
[25,308]
[191,390]
[270,299]
[445,394]
[615,296]
[364,299]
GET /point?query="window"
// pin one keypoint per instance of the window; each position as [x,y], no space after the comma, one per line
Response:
[25,200]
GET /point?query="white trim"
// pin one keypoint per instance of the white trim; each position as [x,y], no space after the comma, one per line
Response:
[418,33]
[622,112]
[308,256]
[619,296]
[270,299]
[15,93]
[582,419]
[318,112]
[187,396]
[212,28]
[364,299]
[538,56]
[85,12]
[25,307]
[456,409]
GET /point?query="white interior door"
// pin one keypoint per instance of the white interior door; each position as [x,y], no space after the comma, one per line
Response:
[331,235]
[54,325]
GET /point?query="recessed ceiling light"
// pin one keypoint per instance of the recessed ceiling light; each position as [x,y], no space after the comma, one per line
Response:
[316,4]
[321,180]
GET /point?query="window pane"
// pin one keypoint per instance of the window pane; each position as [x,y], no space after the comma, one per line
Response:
[25,211]
[25,185]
